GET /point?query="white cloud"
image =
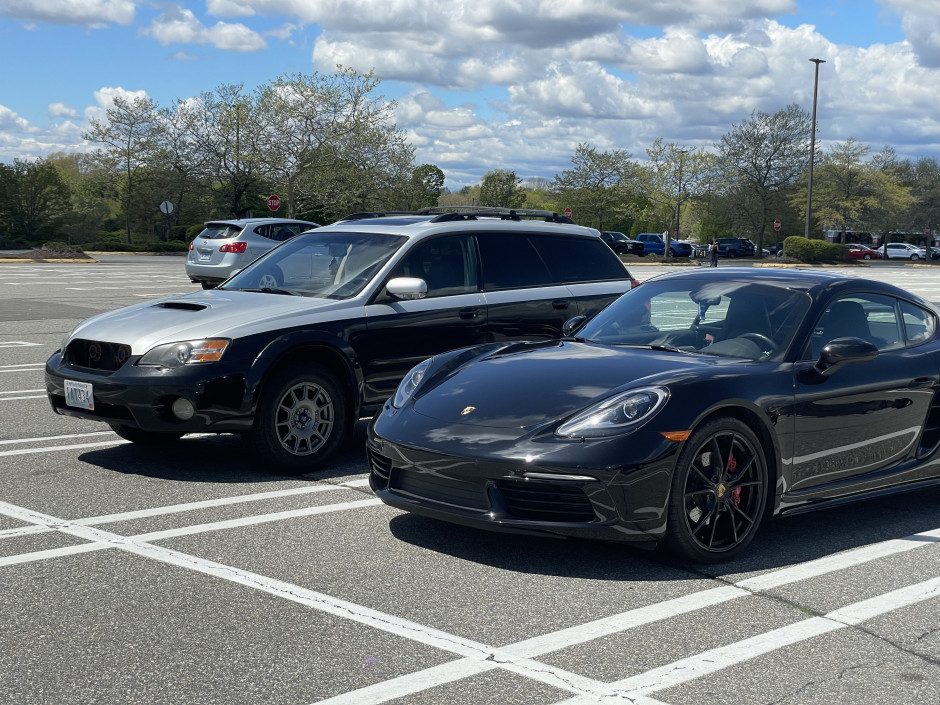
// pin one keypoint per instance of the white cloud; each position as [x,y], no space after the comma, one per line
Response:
[11,122]
[61,110]
[179,25]
[92,13]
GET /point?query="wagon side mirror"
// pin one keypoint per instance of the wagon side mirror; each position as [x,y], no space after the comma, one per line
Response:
[407,288]
[844,351]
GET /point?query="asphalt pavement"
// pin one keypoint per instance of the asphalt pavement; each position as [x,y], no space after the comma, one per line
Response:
[190,576]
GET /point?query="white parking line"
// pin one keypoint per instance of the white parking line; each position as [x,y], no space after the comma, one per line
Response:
[25,394]
[538,646]
[516,658]
[19,344]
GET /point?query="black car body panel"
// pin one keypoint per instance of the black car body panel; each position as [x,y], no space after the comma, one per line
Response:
[488,420]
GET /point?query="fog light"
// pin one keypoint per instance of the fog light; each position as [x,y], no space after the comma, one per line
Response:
[183,409]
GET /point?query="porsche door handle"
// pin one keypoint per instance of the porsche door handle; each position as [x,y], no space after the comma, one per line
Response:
[921,383]
[560,304]
[469,313]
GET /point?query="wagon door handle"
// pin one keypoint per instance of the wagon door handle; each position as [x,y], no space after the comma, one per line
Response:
[921,383]
[469,313]
[560,304]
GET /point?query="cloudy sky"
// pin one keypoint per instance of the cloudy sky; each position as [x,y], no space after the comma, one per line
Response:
[487,84]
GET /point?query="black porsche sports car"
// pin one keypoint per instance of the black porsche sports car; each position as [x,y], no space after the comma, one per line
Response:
[683,414]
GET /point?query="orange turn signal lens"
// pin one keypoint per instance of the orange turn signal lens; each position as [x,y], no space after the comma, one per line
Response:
[675,435]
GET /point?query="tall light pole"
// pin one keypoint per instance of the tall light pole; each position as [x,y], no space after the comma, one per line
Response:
[682,153]
[812,148]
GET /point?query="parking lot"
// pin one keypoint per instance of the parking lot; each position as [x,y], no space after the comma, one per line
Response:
[189,576]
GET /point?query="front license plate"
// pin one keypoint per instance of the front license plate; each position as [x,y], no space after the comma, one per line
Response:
[79,394]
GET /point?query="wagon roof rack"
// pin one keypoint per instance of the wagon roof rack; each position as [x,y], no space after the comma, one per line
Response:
[444,214]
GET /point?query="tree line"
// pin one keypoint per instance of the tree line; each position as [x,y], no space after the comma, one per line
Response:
[328,146]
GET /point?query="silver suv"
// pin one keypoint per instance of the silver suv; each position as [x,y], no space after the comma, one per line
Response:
[228,245]
[317,333]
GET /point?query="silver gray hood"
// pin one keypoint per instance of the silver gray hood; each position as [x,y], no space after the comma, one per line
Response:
[214,313]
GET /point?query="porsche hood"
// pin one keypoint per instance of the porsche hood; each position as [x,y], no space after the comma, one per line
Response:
[523,386]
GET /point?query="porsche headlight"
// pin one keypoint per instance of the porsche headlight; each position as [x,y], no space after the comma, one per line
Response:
[618,414]
[409,385]
[189,352]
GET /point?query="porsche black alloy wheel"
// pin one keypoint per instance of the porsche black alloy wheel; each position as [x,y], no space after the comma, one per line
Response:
[719,492]
[301,419]
[147,438]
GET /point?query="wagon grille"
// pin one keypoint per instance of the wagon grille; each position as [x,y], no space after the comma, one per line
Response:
[98,355]
[543,501]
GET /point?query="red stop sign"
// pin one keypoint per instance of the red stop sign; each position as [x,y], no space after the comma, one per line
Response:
[776,225]
[274,202]
[567,212]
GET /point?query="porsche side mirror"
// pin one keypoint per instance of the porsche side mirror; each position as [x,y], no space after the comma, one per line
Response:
[572,324]
[844,351]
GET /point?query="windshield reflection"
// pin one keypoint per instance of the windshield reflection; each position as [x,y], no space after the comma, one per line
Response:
[321,264]
[732,318]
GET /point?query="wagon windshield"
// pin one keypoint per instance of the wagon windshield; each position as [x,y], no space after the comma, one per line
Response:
[321,264]
[729,318]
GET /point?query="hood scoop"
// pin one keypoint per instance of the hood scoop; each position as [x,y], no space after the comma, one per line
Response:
[181,305]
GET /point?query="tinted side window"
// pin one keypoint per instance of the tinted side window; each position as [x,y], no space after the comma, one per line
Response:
[447,264]
[871,317]
[262,230]
[510,261]
[578,259]
[919,325]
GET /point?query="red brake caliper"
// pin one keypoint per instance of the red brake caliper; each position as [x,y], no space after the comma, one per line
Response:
[736,492]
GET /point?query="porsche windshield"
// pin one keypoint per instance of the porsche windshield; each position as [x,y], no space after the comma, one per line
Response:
[321,264]
[730,318]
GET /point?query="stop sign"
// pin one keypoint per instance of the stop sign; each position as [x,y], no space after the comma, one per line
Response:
[776,225]
[567,212]
[274,202]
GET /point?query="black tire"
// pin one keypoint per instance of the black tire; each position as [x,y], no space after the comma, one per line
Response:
[300,420]
[732,254]
[866,256]
[715,510]
[207,285]
[145,438]
[914,258]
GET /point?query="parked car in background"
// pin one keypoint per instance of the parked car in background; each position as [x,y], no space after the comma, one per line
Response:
[857,251]
[655,244]
[316,333]
[905,250]
[621,244]
[776,250]
[683,414]
[734,247]
[228,245]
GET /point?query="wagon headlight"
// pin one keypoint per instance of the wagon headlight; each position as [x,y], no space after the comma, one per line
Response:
[189,352]
[409,385]
[616,415]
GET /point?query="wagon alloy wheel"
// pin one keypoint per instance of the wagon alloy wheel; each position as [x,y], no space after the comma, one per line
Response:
[300,420]
[305,418]
[719,492]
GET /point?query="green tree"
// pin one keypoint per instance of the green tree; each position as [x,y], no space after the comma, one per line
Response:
[598,186]
[314,123]
[501,188]
[850,193]
[427,181]
[672,176]
[129,135]
[34,198]
[762,156]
